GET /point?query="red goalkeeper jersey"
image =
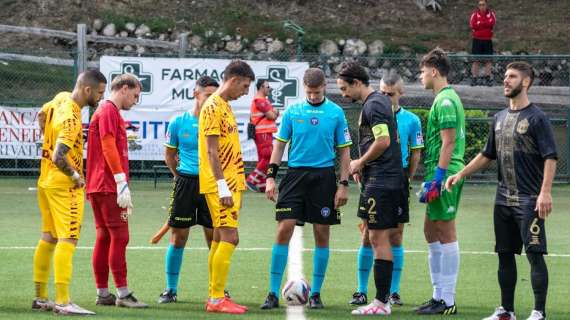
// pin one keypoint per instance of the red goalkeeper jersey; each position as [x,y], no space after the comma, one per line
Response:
[105,121]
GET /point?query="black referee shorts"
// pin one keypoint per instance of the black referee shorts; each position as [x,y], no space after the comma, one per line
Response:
[518,226]
[187,206]
[307,195]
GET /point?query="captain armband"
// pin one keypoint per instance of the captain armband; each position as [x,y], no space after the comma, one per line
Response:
[380,130]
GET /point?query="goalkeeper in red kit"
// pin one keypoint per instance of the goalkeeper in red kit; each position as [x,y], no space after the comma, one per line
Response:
[108,191]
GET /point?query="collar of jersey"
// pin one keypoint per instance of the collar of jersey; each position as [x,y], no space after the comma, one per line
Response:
[318,104]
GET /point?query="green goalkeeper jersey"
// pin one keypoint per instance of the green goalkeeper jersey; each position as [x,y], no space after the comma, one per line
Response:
[445,113]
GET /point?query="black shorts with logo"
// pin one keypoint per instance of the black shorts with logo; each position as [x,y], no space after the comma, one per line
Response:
[381,208]
[403,215]
[517,226]
[187,206]
[307,195]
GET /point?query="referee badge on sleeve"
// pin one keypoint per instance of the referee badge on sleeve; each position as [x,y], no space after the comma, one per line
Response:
[419,138]
[347,135]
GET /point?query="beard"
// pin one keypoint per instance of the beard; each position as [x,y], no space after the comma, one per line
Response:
[515,91]
[92,102]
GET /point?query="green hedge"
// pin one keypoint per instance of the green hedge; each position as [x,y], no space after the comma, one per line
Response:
[476,122]
[476,126]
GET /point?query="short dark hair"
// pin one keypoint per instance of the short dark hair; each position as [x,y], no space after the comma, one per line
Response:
[207,81]
[125,79]
[91,77]
[314,77]
[260,83]
[523,67]
[351,71]
[437,58]
[238,68]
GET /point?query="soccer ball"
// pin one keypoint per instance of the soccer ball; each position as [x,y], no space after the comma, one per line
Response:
[296,292]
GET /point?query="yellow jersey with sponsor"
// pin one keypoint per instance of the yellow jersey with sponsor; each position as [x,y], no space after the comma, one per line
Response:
[48,145]
[217,119]
[66,129]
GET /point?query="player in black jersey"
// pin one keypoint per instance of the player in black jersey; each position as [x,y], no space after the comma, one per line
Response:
[379,169]
[521,140]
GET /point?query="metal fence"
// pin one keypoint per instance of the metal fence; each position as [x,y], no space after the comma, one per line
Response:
[33,80]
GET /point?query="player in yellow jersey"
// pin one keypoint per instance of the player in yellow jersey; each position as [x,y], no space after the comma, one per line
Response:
[222,179]
[61,190]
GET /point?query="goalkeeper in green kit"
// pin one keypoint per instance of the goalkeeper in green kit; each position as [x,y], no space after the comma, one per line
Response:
[445,147]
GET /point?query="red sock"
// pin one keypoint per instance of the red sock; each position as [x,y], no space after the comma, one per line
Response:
[100,259]
[117,254]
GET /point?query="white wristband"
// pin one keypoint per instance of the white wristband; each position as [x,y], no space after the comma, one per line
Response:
[120,177]
[75,176]
[223,189]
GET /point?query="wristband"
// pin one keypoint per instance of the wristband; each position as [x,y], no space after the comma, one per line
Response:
[120,177]
[223,189]
[272,170]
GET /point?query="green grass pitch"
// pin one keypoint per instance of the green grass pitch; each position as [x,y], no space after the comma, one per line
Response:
[477,291]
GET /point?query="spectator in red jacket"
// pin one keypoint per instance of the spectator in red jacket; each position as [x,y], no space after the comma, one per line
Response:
[482,22]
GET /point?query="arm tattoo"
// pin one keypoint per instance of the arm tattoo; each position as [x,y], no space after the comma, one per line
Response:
[60,160]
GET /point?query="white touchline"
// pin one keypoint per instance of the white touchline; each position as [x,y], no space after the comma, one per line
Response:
[295,270]
[153,248]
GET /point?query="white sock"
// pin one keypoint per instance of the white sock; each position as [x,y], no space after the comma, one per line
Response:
[449,271]
[103,292]
[123,292]
[434,258]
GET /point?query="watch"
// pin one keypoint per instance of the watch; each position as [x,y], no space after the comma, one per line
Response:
[343,182]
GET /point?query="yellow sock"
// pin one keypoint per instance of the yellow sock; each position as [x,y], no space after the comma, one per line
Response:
[42,262]
[213,248]
[63,268]
[221,268]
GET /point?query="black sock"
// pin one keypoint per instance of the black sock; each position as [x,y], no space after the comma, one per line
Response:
[507,275]
[539,280]
[383,279]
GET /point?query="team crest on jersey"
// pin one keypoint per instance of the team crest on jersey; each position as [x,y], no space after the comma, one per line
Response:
[522,126]
[314,121]
[325,212]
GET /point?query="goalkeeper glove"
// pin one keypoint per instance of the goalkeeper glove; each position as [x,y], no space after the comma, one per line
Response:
[431,190]
[123,192]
